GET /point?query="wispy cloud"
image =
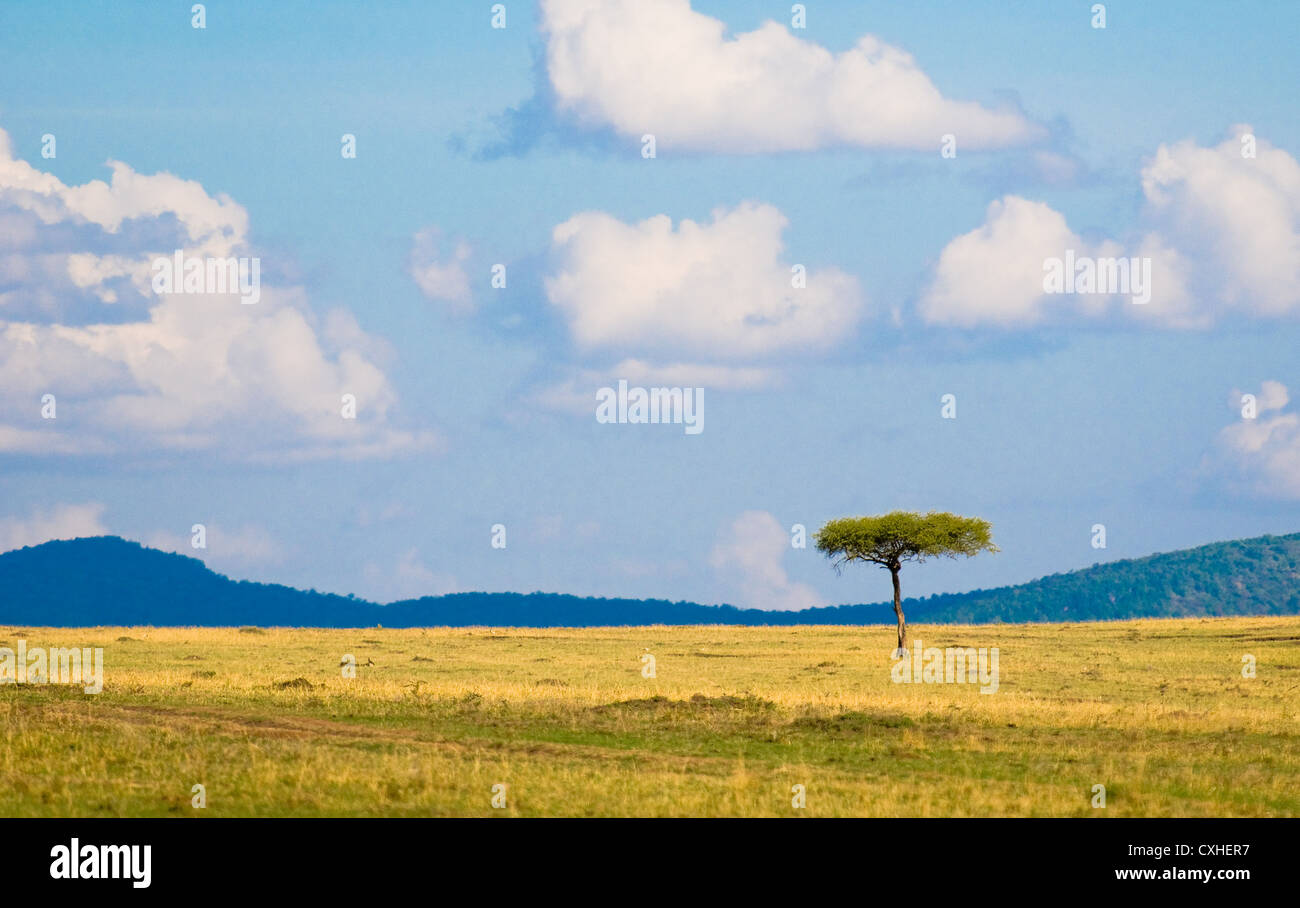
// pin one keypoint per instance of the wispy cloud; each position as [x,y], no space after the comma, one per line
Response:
[61,521]
[749,558]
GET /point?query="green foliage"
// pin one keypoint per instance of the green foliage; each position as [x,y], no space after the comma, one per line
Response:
[890,539]
[1258,576]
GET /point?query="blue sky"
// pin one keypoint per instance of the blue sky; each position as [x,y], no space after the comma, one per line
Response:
[1072,411]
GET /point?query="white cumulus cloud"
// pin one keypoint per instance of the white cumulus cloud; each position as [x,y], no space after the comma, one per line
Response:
[717,290]
[130,369]
[1235,222]
[657,66]
[995,272]
[1220,231]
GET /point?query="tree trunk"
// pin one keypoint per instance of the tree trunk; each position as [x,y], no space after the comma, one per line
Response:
[898,610]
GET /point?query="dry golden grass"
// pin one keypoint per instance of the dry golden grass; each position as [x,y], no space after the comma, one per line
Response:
[1157,711]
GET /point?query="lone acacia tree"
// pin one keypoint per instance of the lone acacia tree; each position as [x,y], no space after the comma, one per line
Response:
[891,539]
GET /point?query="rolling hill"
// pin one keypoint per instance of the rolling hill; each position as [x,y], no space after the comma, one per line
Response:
[106,580]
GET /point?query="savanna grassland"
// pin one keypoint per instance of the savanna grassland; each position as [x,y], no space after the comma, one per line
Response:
[1157,711]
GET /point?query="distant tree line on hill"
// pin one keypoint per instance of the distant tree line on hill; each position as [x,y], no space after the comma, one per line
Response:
[107,580]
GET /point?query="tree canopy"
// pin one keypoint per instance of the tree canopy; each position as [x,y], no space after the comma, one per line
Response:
[890,539]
